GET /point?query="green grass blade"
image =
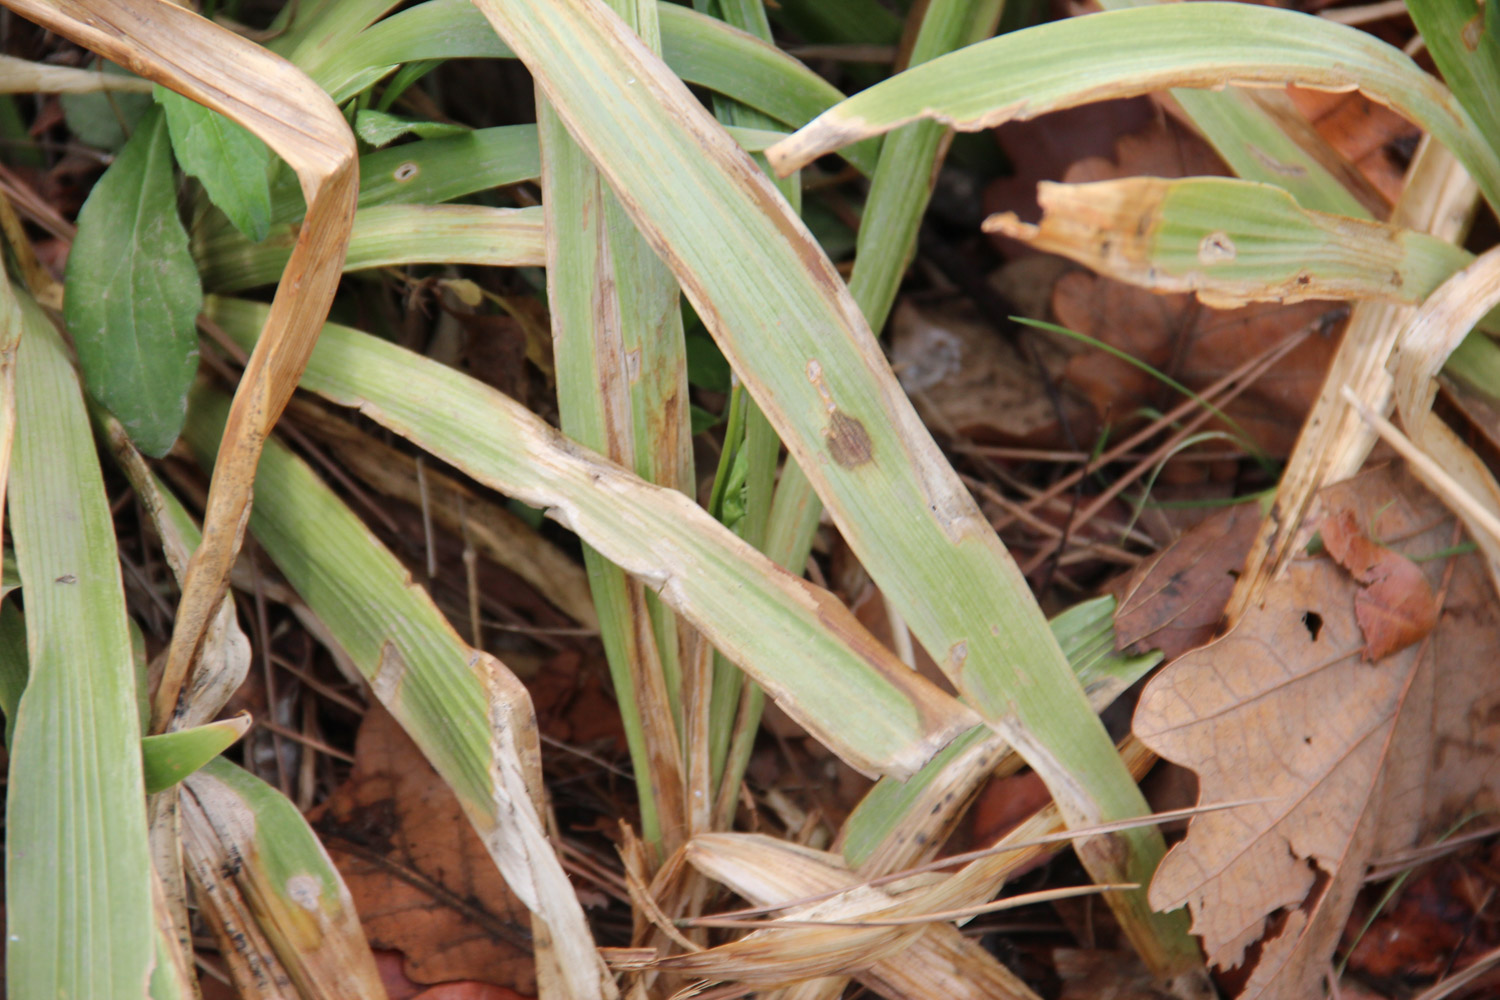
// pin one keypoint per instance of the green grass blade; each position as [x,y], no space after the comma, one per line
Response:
[792,637]
[1128,52]
[446,695]
[902,184]
[132,292]
[168,758]
[702,50]
[592,251]
[78,893]
[1258,149]
[432,170]
[1464,43]
[1232,242]
[381,128]
[783,317]
[387,236]
[900,823]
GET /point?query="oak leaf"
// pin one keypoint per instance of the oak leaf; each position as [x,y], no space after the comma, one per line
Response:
[1353,758]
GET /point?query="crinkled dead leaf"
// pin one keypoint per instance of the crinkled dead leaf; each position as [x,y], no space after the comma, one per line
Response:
[1359,757]
[1373,138]
[419,875]
[1394,605]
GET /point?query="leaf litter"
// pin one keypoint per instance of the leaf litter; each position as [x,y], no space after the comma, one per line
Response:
[1363,755]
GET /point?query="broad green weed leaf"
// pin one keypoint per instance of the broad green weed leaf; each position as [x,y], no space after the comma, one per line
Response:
[107,118]
[380,128]
[228,160]
[133,293]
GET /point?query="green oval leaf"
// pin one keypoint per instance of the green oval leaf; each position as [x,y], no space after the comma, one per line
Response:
[228,160]
[133,292]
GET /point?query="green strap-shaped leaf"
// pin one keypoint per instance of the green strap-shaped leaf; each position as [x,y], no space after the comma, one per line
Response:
[168,758]
[229,161]
[388,235]
[458,704]
[784,318]
[1464,39]
[78,891]
[1232,242]
[1258,148]
[255,859]
[1123,53]
[133,294]
[792,637]
[702,50]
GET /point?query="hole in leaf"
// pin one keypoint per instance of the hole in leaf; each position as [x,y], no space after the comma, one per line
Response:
[1314,623]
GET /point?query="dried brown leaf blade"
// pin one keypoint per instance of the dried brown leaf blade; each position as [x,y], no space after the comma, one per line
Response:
[273,99]
[1286,706]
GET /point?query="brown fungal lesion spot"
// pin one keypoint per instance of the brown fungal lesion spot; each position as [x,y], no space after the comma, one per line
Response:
[848,441]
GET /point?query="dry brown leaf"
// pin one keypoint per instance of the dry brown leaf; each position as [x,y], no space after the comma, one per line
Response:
[420,877]
[969,381]
[1359,758]
[1377,140]
[1196,346]
[1174,602]
[1394,605]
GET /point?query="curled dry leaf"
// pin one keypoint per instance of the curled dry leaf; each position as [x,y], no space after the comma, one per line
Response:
[1394,605]
[1358,758]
